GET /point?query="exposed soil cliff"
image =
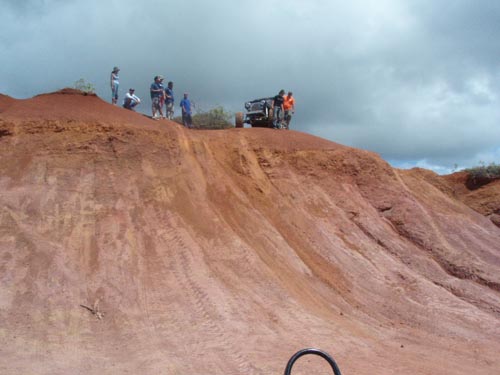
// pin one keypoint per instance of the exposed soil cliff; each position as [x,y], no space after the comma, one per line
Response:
[224,252]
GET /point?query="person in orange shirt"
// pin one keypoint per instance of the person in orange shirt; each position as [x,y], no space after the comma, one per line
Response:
[289,107]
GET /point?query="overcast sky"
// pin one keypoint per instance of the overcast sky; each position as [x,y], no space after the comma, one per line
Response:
[417,81]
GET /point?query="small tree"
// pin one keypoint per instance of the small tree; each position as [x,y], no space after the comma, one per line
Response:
[83,85]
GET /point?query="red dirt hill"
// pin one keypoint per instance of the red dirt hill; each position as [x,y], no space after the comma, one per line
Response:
[484,198]
[224,252]
[5,102]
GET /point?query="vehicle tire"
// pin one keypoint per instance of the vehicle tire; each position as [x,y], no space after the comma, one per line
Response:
[270,118]
[239,119]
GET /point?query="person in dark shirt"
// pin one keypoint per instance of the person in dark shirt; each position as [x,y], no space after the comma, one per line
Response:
[162,97]
[186,111]
[156,91]
[169,100]
[278,109]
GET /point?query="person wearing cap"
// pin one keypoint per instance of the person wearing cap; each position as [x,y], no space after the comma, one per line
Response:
[289,107]
[156,91]
[169,100]
[186,111]
[115,82]
[130,100]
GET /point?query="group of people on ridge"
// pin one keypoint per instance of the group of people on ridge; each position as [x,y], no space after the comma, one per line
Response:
[160,96]
[283,108]
[283,105]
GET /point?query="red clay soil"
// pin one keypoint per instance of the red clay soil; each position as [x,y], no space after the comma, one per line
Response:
[5,102]
[483,197]
[132,246]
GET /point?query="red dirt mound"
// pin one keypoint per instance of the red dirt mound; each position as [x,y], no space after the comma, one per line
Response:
[72,106]
[485,198]
[134,246]
[5,102]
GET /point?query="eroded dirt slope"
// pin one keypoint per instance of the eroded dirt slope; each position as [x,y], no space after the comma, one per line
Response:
[483,197]
[224,252]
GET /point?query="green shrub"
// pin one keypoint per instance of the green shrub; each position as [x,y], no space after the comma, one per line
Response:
[484,172]
[487,171]
[216,118]
[83,85]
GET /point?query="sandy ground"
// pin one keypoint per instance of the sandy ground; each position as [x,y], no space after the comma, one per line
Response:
[225,252]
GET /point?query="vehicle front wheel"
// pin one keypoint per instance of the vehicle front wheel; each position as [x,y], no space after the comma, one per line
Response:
[270,118]
[239,119]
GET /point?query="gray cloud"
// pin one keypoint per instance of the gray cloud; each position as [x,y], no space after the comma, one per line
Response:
[416,81]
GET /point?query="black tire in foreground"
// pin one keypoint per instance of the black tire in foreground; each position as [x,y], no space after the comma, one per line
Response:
[318,352]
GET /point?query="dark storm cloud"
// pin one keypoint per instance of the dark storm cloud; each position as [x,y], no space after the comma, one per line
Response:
[416,81]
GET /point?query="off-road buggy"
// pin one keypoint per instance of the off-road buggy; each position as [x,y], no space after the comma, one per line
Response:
[258,114]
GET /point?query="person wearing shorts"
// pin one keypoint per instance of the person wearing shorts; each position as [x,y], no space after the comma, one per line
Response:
[169,100]
[162,97]
[156,91]
[115,83]
[289,107]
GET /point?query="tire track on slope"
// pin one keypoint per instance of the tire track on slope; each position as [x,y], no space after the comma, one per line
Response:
[154,267]
[183,275]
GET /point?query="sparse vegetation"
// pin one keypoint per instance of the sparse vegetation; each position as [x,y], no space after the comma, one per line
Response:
[483,174]
[83,85]
[216,118]
[491,171]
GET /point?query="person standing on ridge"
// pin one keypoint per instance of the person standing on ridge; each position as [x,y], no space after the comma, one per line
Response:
[169,100]
[115,83]
[156,91]
[277,108]
[162,97]
[289,107]
[130,100]
[186,112]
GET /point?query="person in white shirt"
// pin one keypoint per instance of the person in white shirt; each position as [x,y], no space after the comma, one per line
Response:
[130,100]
